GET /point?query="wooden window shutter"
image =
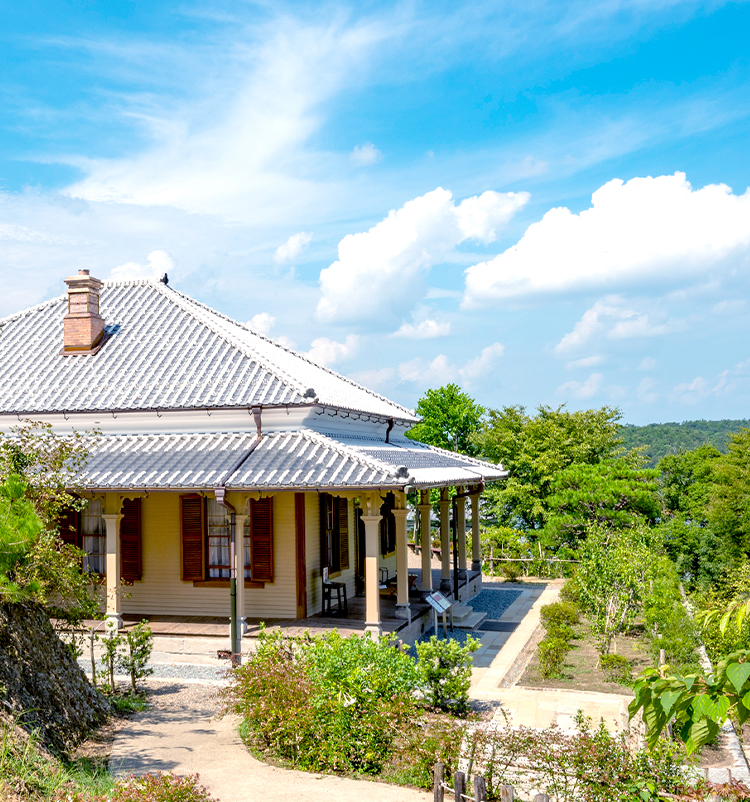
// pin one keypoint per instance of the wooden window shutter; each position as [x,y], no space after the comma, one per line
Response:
[261,540]
[193,518]
[69,525]
[130,539]
[344,532]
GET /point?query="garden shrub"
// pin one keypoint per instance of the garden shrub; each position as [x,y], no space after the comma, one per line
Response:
[552,654]
[157,787]
[570,593]
[324,703]
[616,668]
[558,614]
[444,672]
[511,571]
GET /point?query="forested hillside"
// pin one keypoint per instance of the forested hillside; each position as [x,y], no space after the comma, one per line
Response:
[661,439]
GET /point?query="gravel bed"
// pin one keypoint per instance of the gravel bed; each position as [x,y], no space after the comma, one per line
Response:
[494,602]
[169,671]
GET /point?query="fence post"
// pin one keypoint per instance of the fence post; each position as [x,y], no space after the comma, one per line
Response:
[437,788]
[480,789]
[541,798]
[506,793]
[459,785]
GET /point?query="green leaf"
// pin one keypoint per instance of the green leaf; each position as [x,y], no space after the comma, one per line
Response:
[701,733]
[719,709]
[667,700]
[738,674]
[746,700]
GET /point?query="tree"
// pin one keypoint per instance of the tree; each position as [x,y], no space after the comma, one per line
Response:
[450,419]
[729,507]
[612,493]
[535,448]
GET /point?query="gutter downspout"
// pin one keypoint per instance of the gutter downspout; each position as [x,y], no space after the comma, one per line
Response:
[235,636]
[454,527]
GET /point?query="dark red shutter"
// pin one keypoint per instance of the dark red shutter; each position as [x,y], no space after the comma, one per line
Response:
[193,531]
[344,532]
[130,539]
[261,540]
[69,525]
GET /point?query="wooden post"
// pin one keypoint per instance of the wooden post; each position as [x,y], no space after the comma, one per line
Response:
[541,798]
[506,793]
[480,789]
[459,785]
[437,788]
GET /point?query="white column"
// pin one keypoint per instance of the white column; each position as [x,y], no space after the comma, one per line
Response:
[424,522]
[476,545]
[445,541]
[239,564]
[114,595]
[371,521]
[461,533]
[402,566]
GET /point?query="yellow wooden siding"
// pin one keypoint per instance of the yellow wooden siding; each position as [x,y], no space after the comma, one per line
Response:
[161,590]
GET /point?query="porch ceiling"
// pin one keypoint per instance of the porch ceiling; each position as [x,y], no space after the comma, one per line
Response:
[303,459]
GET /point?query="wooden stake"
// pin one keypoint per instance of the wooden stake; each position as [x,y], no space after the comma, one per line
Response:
[437,788]
[506,793]
[459,786]
[480,789]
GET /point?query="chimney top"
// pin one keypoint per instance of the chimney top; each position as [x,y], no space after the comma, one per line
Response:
[83,325]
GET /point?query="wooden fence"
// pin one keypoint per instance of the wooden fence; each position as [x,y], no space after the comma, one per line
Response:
[440,788]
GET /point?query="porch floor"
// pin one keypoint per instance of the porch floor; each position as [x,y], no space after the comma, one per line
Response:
[217,626]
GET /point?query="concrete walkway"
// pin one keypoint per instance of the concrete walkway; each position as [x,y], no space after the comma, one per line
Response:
[179,733]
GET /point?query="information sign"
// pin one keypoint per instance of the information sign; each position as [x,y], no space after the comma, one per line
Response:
[438,602]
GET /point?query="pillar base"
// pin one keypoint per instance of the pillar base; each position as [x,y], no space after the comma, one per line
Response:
[462,575]
[403,611]
[445,585]
[476,566]
[113,621]
[376,630]
[242,625]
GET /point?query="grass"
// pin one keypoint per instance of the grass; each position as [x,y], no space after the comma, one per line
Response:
[125,704]
[581,671]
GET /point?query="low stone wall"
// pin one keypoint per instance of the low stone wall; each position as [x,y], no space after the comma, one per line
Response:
[42,685]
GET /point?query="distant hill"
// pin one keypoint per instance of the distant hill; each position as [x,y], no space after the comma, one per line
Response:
[669,438]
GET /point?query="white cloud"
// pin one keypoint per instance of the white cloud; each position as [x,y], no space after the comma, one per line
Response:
[645,229]
[611,318]
[691,392]
[435,373]
[328,352]
[262,323]
[380,272]
[484,363]
[426,330]
[157,263]
[365,154]
[292,248]
[585,362]
[647,363]
[581,390]
[374,379]
[286,342]
[729,307]
[645,391]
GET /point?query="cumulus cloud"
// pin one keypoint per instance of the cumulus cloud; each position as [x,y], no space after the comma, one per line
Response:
[612,318]
[328,352]
[581,390]
[157,263]
[380,272]
[585,362]
[484,363]
[436,372]
[647,363]
[645,229]
[365,154]
[691,392]
[645,391]
[425,330]
[262,323]
[374,379]
[292,248]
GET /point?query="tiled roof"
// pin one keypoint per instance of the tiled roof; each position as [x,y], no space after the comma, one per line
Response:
[297,459]
[165,351]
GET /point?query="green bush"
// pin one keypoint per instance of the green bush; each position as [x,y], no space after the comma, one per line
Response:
[570,593]
[552,653]
[324,703]
[444,672]
[511,571]
[616,668]
[559,613]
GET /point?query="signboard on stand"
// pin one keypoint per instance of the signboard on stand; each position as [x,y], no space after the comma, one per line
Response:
[441,605]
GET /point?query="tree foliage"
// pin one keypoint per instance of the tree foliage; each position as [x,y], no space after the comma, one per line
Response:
[450,419]
[535,448]
[729,507]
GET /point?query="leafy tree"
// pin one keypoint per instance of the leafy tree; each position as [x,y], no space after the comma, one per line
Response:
[612,493]
[729,508]
[19,527]
[535,448]
[450,418]
[686,481]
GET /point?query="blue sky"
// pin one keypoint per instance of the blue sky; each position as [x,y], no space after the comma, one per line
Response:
[545,202]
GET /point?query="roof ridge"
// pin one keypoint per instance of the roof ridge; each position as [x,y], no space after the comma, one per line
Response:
[290,350]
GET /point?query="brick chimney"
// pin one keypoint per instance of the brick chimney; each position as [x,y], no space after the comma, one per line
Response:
[83,325]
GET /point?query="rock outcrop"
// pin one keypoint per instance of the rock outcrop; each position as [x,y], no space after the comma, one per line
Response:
[42,684]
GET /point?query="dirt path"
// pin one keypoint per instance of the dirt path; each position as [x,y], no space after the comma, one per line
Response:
[179,733]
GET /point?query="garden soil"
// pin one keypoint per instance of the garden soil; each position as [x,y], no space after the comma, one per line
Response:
[180,733]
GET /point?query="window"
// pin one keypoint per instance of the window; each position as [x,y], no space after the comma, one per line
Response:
[388,526]
[334,533]
[93,538]
[218,541]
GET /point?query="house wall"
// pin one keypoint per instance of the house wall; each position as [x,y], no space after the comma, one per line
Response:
[161,591]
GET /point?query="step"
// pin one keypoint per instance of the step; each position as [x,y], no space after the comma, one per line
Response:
[471,622]
[461,612]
